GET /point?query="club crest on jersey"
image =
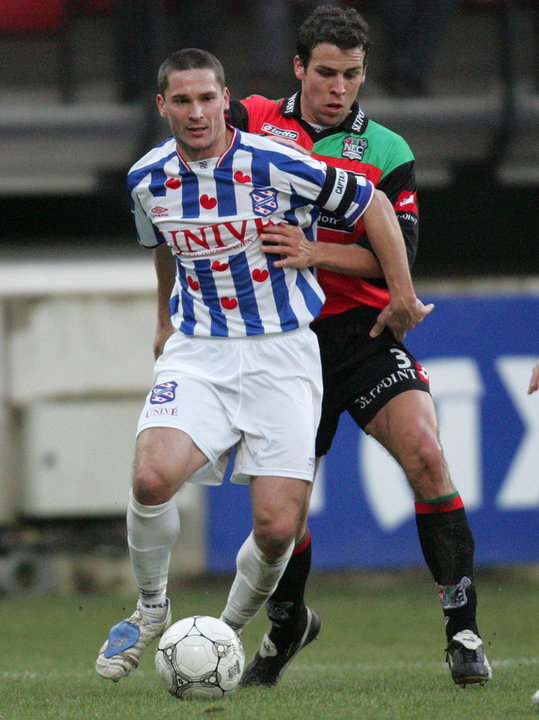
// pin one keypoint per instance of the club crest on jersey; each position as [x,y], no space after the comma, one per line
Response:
[264,201]
[354,148]
[166,392]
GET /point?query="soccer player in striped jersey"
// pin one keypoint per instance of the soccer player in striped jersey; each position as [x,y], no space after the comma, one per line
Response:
[238,365]
[375,379]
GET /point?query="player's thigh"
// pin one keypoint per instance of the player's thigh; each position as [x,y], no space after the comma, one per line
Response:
[407,427]
[277,505]
[165,458]
[405,417]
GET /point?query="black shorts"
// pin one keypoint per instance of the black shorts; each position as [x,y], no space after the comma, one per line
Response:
[361,374]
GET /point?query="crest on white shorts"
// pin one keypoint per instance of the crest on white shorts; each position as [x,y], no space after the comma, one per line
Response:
[166,392]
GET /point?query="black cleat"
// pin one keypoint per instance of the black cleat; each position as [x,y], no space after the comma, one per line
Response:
[269,663]
[467,660]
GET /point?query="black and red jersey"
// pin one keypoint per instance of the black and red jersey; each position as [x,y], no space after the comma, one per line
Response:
[361,146]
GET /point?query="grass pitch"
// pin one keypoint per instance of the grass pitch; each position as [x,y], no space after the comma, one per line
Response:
[380,655]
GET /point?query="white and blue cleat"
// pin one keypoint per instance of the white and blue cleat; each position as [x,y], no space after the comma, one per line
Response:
[126,642]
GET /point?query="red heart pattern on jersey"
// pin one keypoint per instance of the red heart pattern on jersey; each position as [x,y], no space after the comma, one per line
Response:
[173,183]
[260,275]
[218,266]
[241,178]
[229,303]
[192,283]
[207,202]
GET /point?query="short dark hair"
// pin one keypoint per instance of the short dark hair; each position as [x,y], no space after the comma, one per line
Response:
[340,26]
[189,59]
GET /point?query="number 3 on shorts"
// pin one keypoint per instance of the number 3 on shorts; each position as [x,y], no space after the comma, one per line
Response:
[403,361]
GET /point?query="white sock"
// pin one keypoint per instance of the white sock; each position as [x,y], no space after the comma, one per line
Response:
[152,532]
[256,578]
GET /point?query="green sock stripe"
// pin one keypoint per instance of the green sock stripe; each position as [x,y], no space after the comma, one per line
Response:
[444,498]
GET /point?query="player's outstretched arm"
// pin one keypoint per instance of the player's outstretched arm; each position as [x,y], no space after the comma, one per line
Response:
[289,240]
[165,268]
[405,310]
[534,380]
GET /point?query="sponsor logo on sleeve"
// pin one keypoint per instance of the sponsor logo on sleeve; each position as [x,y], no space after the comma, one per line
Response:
[406,202]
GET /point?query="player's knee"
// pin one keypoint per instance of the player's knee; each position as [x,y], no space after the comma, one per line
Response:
[274,536]
[150,487]
[423,456]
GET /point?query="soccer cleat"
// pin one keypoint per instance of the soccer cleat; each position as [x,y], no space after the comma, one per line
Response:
[269,663]
[126,642]
[467,660]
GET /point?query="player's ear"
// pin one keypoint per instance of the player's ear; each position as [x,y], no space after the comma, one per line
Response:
[227,98]
[364,73]
[160,100]
[299,69]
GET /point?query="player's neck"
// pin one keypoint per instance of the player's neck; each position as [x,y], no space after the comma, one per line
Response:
[215,150]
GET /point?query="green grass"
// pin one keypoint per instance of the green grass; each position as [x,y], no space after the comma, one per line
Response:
[380,655]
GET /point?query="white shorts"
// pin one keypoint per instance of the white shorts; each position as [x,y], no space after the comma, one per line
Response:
[261,395]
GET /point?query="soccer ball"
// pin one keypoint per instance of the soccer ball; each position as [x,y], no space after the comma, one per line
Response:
[199,657]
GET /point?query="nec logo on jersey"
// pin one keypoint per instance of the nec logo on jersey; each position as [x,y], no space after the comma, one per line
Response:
[280,132]
[354,148]
[264,201]
[166,392]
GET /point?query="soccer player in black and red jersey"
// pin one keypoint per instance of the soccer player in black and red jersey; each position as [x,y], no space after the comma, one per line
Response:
[324,118]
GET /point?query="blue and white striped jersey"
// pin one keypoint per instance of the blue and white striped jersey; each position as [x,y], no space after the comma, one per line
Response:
[210,213]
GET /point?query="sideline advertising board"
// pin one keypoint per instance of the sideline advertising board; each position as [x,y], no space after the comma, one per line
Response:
[479,352]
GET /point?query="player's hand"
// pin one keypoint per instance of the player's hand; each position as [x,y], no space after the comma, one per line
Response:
[534,380]
[290,143]
[401,317]
[288,240]
[162,334]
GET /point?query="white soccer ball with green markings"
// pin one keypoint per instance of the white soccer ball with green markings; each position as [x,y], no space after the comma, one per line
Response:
[200,657]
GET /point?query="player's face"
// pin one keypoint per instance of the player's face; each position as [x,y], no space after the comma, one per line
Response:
[330,83]
[194,104]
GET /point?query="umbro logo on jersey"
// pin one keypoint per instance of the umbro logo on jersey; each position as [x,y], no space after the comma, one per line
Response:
[159,211]
[354,148]
[280,132]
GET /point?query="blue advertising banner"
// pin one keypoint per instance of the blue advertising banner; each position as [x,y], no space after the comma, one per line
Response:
[479,352]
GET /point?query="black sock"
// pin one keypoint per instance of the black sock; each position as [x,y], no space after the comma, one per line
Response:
[286,607]
[448,548]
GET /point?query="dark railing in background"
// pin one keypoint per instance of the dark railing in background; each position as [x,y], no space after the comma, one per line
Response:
[473,219]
